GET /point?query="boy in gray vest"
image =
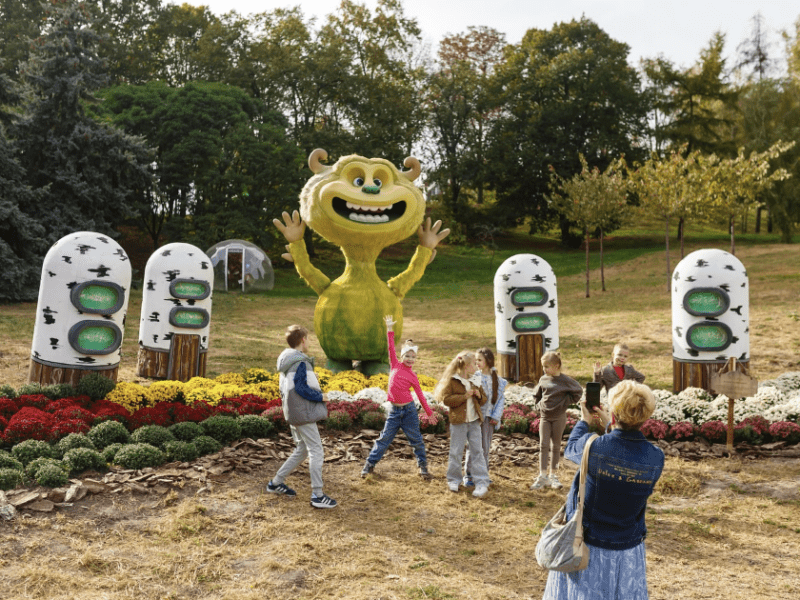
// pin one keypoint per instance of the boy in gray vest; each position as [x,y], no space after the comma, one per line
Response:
[303,406]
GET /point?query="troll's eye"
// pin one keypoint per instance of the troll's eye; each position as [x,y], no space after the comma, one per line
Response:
[358,181]
[377,182]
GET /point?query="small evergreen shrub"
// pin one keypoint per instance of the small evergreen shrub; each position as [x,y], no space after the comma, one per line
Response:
[51,475]
[338,419]
[139,456]
[155,435]
[255,426]
[6,391]
[206,445]
[9,462]
[72,441]
[57,391]
[29,389]
[108,432]
[110,452]
[84,459]
[222,429]
[33,467]
[95,386]
[186,431]
[10,478]
[180,451]
[29,450]
[373,420]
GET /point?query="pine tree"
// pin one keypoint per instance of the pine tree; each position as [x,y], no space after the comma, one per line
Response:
[92,174]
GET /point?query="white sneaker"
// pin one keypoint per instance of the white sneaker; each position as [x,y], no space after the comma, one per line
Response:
[555,483]
[541,481]
[453,485]
[480,491]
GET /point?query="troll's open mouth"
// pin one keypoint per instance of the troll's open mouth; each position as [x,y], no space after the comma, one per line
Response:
[364,213]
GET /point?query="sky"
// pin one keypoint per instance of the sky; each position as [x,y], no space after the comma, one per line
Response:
[677,30]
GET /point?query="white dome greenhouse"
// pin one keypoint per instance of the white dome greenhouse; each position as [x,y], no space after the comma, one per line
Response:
[241,265]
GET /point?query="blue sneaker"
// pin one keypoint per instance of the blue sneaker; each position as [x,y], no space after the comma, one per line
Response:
[282,489]
[323,501]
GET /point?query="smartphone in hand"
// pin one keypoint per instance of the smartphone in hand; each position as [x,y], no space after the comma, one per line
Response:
[592,395]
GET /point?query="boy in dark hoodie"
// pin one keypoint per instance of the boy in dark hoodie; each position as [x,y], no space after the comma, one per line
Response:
[303,406]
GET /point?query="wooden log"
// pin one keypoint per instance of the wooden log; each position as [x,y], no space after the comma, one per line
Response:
[507,366]
[152,363]
[690,374]
[48,375]
[184,357]
[530,348]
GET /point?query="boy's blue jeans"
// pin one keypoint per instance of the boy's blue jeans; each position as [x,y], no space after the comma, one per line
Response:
[403,417]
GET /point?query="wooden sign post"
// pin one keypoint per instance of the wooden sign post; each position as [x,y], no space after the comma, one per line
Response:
[733,381]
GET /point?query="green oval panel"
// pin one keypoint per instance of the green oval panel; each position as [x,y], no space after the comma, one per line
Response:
[709,337]
[527,297]
[189,289]
[96,338]
[98,297]
[530,323]
[706,303]
[188,318]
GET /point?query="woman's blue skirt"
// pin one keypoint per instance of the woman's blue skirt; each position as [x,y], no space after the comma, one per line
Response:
[611,575]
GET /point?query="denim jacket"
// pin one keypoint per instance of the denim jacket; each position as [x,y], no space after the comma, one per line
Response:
[623,470]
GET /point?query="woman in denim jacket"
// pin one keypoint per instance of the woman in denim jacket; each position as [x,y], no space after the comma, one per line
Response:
[623,470]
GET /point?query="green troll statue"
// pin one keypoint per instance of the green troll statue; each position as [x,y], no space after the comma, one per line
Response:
[362,205]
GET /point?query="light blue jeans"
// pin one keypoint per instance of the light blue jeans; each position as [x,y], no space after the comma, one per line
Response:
[403,417]
[461,435]
[307,444]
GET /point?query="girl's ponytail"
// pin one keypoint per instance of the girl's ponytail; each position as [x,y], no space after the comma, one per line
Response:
[488,356]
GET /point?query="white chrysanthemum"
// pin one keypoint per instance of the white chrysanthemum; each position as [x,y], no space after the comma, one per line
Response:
[339,396]
[519,394]
[375,394]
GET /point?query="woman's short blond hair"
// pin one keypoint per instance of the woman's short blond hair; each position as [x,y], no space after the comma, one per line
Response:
[631,403]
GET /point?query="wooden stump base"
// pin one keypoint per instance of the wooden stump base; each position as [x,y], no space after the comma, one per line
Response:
[688,374]
[48,375]
[183,361]
[526,364]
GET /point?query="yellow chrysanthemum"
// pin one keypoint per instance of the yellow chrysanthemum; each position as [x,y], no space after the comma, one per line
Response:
[255,375]
[231,378]
[201,394]
[427,383]
[199,382]
[265,389]
[163,391]
[127,394]
[381,380]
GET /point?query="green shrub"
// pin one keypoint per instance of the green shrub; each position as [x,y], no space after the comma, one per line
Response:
[139,456]
[107,433]
[155,435]
[186,431]
[33,467]
[56,391]
[29,388]
[373,420]
[222,429]
[255,426]
[338,419]
[84,459]
[95,386]
[206,445]
[9,479]
[181,451]
[6,391]
[71,441]
[9,462]
[110,452]
[52,475]
[29,450]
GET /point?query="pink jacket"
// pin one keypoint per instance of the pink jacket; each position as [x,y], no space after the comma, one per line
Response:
[402,379]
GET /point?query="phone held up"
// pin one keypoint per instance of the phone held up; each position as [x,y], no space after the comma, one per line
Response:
[592,395]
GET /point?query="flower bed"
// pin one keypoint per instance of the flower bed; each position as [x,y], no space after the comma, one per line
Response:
[51,413]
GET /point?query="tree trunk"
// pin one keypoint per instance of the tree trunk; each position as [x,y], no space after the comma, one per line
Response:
[733,242]
[758,219]
[602,273]
[769,221]
[666,240]
[587,262]
[681,226]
